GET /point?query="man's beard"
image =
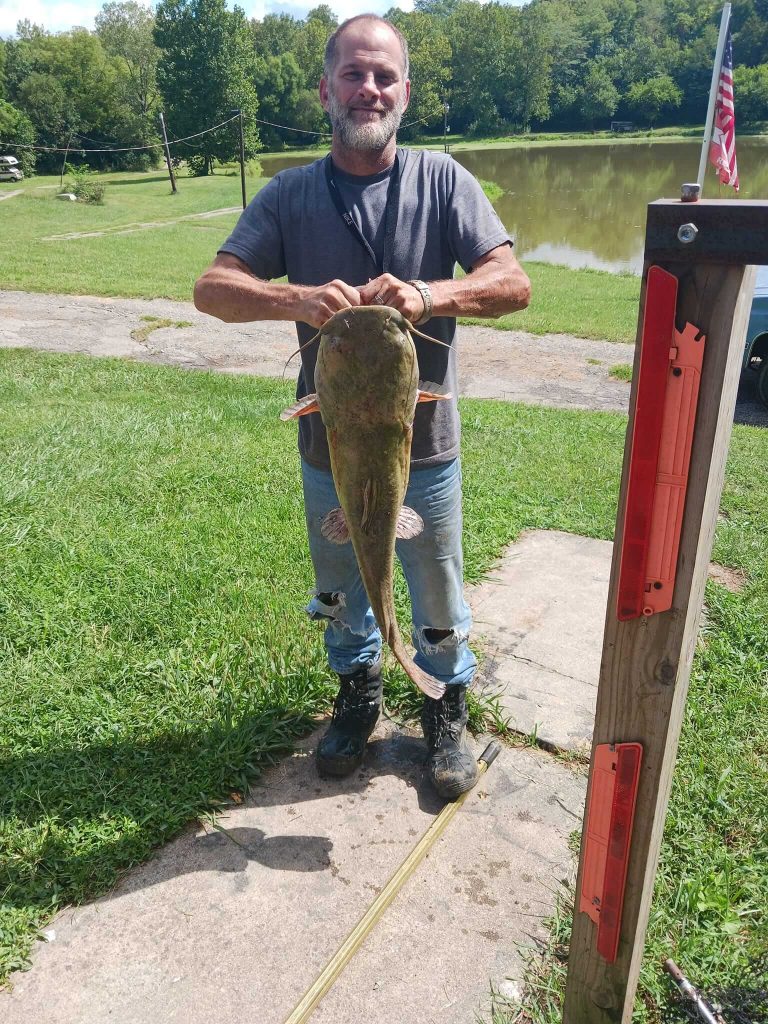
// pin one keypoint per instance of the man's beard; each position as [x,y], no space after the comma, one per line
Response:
[366,136]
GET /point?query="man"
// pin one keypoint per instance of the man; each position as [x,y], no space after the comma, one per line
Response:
[376,225]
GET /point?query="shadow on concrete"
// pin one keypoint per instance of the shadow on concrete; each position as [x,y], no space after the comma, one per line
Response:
[229,851]
[97,811]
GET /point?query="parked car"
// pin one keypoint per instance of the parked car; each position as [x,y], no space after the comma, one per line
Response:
[9,169]
[756,348]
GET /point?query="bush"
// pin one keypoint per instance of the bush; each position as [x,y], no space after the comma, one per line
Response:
[84,185]
[88,191]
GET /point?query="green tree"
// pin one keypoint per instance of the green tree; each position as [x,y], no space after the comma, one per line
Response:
[279,82]
[311,38]
[600,97]
[651,98]
[275,35]
[125,29]
[750,88]
[207,69]
[16,128]
[430,57]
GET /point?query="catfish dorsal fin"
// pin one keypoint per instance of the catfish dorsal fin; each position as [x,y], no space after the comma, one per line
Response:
[303,407]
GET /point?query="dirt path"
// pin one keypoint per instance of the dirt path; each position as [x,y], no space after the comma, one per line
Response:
[552,369]
[146,225]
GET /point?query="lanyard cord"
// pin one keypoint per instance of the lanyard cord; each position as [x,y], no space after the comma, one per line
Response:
[390,214]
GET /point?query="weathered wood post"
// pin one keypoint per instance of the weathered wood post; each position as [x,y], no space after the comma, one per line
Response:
[646,660]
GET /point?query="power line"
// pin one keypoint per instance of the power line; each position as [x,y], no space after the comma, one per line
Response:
[117,149]
[159,145]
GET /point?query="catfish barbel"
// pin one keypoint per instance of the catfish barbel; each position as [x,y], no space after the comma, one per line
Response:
[367,390]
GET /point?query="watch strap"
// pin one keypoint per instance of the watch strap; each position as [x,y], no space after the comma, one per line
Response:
[423,289]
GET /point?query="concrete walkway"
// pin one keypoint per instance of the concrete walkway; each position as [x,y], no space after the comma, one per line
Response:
[234,923]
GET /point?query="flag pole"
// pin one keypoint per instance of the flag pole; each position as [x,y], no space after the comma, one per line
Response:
[724,21]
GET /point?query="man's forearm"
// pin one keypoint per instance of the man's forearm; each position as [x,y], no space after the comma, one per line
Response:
[236,297]
[491,289]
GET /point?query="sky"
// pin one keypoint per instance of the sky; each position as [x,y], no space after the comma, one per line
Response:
[58,15]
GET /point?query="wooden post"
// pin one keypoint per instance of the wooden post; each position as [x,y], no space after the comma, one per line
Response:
[646,661]
[168,155]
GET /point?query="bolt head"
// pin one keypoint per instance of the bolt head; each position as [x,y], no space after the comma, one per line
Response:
[686,233]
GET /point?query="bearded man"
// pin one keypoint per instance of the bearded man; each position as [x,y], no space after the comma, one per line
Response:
[374,224]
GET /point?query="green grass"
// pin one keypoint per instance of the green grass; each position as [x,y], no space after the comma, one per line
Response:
[154,655]
[586,303]
[159,262]
[164,262]
[621,371]
[711,890]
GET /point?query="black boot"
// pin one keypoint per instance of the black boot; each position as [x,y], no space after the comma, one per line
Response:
[452,765]
[355,713]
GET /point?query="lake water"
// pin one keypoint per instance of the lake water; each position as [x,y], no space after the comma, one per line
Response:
[585,206]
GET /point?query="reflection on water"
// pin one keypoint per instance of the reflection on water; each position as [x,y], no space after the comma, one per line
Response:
[584,206]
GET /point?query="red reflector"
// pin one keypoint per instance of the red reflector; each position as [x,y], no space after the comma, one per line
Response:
[611,809]
[656,341]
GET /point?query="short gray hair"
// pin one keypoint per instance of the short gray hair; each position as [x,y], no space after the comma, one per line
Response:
[331,46]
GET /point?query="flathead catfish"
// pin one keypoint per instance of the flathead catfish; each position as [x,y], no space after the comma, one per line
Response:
[367,390]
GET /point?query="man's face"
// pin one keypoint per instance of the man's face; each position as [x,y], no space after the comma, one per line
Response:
[366,93]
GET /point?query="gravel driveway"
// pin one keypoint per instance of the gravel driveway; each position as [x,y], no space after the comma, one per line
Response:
[552,369]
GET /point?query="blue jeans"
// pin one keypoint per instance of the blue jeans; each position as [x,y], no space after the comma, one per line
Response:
[433,568]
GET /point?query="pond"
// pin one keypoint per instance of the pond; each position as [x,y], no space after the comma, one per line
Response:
[584,206]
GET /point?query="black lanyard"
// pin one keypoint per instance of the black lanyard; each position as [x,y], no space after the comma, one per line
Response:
[390,214]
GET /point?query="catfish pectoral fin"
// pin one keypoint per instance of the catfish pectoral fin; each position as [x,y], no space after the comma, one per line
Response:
[409,524]
[334,527]
[430,392]
[303,407]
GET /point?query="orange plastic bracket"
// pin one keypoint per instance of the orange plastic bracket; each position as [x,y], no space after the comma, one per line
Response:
[610,816]
[662,437]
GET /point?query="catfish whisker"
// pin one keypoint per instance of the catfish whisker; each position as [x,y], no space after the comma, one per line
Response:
[300,349]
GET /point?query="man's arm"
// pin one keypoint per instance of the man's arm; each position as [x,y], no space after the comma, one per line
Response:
[496,284]
[229,290]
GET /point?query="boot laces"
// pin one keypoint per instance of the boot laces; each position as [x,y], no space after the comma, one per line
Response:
[442,720]
[353,700]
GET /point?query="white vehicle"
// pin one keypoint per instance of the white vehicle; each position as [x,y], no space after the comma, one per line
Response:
[9,169]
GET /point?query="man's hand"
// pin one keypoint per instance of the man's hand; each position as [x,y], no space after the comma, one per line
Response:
[390,291]
[319,304]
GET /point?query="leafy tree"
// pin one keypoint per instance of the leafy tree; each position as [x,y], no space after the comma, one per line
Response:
[207,69]
[750,88]
[310,42]
[648,99]
[16,127]
[125,29]
[279,82]
[600,97]
[275,35]
[430,55]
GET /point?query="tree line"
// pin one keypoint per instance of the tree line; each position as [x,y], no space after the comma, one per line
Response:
[487,69]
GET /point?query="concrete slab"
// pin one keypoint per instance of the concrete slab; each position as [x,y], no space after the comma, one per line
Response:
[234,925]
[539,619]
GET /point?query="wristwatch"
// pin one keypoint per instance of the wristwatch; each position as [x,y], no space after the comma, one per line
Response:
[423,289]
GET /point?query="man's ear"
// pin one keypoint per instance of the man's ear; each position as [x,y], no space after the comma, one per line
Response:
[407,93]
[323,90]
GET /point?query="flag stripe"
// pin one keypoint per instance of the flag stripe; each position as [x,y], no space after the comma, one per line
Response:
[722,148]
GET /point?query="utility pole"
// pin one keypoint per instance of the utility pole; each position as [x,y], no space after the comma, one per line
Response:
[239,113]
[167,154]
[446,129]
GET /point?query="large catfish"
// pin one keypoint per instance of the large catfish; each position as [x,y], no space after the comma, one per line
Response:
[367,390]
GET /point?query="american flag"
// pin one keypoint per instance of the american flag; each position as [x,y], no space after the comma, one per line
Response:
[722,148]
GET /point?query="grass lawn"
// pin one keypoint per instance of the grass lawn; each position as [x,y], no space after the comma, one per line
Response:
[154,654]
[164,261]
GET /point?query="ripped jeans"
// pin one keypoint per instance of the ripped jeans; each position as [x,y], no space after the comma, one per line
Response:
[433,568]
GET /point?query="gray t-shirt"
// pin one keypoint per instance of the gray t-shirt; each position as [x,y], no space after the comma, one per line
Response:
[292,228]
